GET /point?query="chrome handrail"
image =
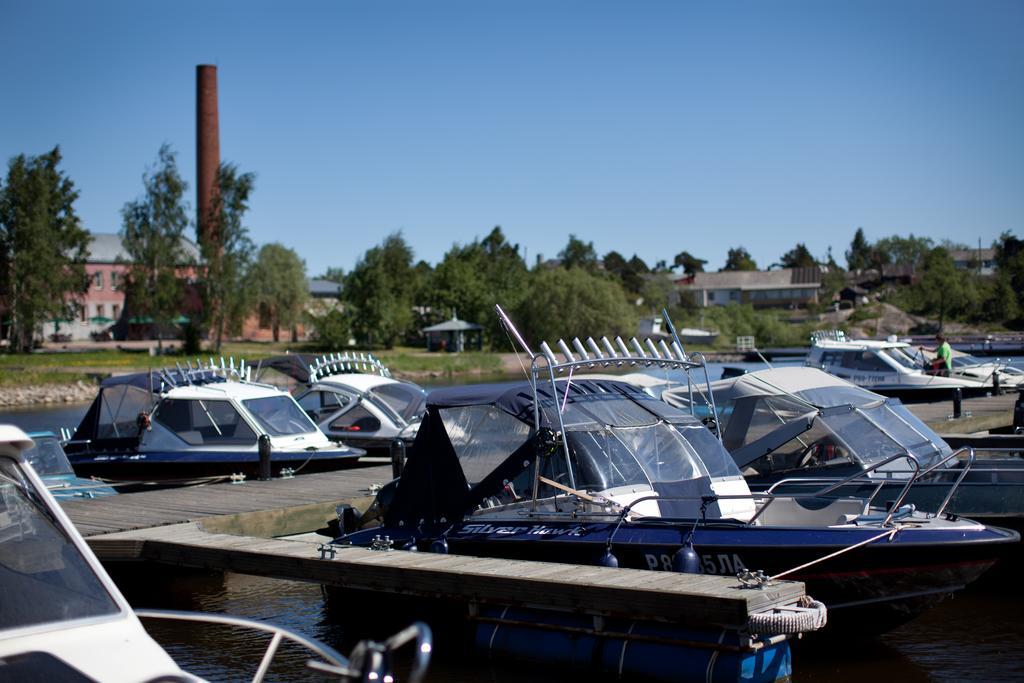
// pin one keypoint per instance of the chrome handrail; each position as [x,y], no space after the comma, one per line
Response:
[916,476]
[956,484]
[335,662]
[860,475]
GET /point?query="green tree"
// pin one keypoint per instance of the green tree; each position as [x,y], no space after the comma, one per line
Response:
[152,231]
[630,274]
[564,303]
[906,251]
[472,278]
[739,259]
[331,329]
[379,292]
[941,289]
[227,254]
[798,257]
[578,254]
[278,284]
[858,256]
[42,247]
[334,275]
[1006,296]
[690,264]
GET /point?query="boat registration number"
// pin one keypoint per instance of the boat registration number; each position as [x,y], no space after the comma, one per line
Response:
[720,563]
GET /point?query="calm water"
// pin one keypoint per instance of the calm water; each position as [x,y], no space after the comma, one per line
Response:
[977,636]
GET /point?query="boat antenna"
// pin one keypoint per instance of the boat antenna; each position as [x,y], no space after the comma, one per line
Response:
[510,332]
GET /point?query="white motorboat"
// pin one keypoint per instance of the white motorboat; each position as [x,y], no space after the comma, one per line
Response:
[354,399]
[188,423]
[63,619]
[984,370]
[892,368]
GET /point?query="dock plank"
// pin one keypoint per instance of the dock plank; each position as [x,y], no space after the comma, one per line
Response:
[603,591]
[173,506]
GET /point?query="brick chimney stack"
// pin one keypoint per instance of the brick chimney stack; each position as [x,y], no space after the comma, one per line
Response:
[207,146]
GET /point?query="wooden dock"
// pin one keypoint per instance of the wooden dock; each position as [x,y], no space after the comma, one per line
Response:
[592,590]
[316,492]
[229,527]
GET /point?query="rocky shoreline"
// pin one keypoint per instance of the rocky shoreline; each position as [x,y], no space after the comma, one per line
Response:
[46,394]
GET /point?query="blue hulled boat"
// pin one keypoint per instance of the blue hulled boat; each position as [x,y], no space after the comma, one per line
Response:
[796,428]
[596,471]
[190,423]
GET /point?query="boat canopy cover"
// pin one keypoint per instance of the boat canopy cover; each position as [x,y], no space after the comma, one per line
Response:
[476,440]
[814,386]
[161,380]
[294,365]
[112,419]
[859,423]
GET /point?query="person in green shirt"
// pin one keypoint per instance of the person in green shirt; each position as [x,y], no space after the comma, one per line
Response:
[943,361]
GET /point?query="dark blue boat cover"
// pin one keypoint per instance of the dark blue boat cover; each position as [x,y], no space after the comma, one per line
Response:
[516,398]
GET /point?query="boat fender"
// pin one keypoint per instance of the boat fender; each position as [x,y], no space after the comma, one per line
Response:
[439,546]
[608,559]
[685,560]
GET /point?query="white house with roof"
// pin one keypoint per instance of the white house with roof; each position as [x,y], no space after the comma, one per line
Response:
[981,260]
[760,288]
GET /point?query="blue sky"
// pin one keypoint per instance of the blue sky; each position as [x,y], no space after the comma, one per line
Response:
[647,127]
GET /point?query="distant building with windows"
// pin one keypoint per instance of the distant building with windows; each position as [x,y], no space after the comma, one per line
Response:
[760,288]
[101,312]
[103,305]
[983,261]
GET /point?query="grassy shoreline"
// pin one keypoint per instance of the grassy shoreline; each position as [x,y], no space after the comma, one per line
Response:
[51,368]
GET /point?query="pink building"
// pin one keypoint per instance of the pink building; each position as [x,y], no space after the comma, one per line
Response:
[103,304]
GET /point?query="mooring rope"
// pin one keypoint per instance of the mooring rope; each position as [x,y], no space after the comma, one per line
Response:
[807,615]
[888,532]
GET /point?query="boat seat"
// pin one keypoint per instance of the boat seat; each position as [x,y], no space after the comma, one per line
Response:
[790,512]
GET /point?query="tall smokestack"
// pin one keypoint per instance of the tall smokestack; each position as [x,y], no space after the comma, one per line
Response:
[207,146]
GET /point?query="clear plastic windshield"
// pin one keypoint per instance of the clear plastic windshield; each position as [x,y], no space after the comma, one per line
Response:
[903,356]
[882,431]
[43,576]
[47,457]
[280,415]
[407,401]
[619,442]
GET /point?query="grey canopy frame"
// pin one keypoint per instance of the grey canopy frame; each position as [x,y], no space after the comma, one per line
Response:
[602,355]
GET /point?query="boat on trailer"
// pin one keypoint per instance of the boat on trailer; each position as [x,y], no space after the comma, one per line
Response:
[182,424]
[63,619]
[598,472]
[799,428]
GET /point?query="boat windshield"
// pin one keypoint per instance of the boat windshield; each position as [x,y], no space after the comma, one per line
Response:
[407,401]
[280,415]
[45,577]
[848,428]
[615,441]
[880,432]
[902,356]
[47,457]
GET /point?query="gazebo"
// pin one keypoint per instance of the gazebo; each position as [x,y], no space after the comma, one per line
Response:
[454,335]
